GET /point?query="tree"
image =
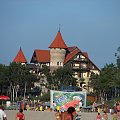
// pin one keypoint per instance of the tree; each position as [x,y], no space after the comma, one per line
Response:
[104,85]
[3,79]
[59,77]
[118,57]
[20,78]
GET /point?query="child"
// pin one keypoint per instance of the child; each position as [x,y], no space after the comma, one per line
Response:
[98,117]
[115,116]
[105,116]
[20,115]
[58,115]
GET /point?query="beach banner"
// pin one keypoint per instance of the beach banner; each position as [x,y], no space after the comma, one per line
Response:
[67,99]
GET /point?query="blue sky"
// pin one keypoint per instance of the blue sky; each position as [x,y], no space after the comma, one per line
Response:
[92,25]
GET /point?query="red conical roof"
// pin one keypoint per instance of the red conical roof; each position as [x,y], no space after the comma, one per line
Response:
[20,57]
[58,42]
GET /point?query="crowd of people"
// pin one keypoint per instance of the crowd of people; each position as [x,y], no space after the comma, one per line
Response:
[115,112]
[71,113]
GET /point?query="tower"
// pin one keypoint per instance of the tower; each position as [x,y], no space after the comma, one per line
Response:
[20,57]
[57,52]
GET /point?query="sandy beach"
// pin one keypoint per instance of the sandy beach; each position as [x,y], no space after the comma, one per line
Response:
[46,115]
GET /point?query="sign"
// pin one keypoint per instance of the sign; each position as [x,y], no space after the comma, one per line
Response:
[67,99]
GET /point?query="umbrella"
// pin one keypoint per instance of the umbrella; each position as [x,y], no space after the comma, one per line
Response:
[3,97]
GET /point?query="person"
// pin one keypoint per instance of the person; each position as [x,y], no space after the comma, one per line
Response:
[2,113]
[118,110]
[20,115]
[54,105]
[41,108]
[58,108]
[22,105]
[94,106]
[80,105]
[98,116]
[63,114]
[99,110]
[58,115]
[105,116]
[71,114]
[115,116]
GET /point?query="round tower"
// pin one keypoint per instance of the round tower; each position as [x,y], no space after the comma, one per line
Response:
[57,52]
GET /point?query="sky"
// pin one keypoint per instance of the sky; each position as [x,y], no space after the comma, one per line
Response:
[91,25]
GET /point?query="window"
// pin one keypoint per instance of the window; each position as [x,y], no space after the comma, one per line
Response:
[57,63]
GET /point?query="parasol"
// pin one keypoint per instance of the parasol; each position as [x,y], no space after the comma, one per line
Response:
[3,97]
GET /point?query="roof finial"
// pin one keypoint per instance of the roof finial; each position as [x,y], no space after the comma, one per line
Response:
[59,28]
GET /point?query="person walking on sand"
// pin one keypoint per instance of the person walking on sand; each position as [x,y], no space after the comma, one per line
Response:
[118,110]
[2,114]
[105,116]
[58,115]
[115,116]
[71,114]
[54,106]
[20,115]
[98,116]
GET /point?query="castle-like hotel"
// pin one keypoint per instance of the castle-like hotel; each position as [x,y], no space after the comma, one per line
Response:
[60,55]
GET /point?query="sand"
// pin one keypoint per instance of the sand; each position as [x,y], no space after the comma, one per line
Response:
[46,115]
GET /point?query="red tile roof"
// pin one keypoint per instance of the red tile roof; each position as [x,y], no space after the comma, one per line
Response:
[58,42]
[73,52]
[71,48]
[42,56]
[85,54]
[20,57]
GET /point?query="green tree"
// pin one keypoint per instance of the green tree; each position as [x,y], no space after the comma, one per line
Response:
[117,55]
[3,79]
[105,84]
[20,77]
[59,77]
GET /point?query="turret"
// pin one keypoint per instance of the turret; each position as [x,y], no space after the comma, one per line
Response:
[57,52]
[20,57]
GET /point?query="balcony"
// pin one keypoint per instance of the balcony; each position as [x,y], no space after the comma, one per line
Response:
[80,60]
[80,68]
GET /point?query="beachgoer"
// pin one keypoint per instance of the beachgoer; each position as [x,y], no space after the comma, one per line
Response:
[63,114]
[22,105]
[115,116]
[20,115]
[58,115]
[58,108]
[94,106]
[118,110]
[71,114]
[105,116]
[80,105]
[2,114]
[41,108]
[54,105]
[99,110]
[98,117]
